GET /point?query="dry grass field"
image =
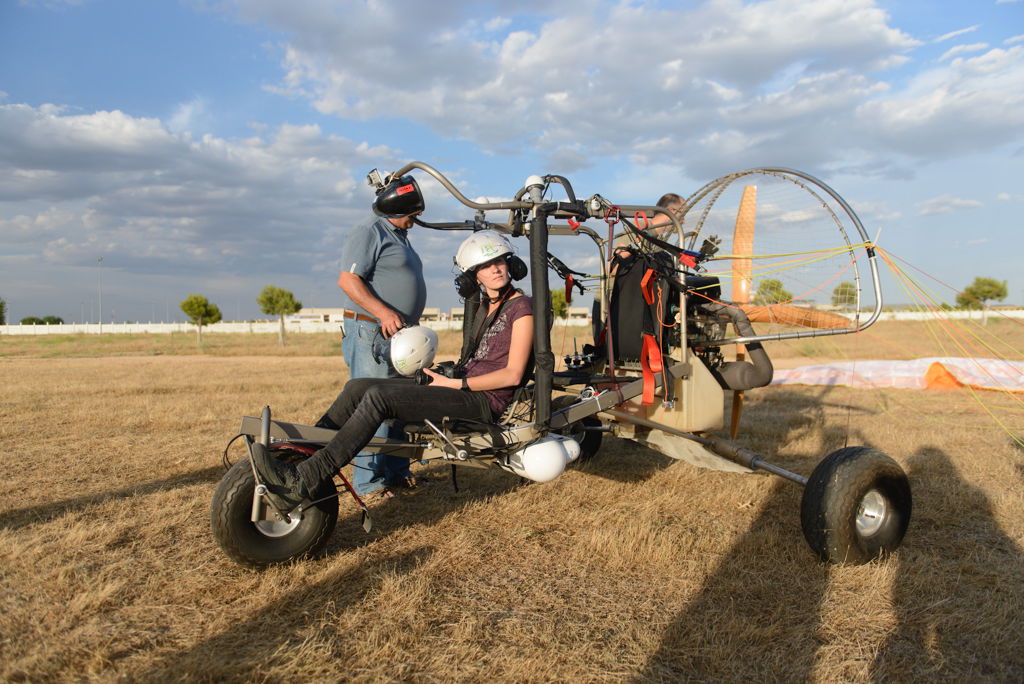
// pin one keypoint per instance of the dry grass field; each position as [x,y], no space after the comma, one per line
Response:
[633,567]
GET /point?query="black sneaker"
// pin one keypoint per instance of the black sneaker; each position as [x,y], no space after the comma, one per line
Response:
[284,486]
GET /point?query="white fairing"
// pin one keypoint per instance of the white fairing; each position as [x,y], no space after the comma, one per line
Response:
[412,349]
[545,459]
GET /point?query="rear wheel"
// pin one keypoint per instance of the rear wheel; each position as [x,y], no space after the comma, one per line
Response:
[589,440]
[856,506]
[270,540]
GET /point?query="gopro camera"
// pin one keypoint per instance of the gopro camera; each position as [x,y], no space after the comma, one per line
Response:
[377,180]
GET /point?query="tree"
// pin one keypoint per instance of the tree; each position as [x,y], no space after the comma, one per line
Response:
[3,312]
[201,312]
[53,320]
[32,320]
[559,307]
[278,302]
[977,293]
[844,296]
[771,291]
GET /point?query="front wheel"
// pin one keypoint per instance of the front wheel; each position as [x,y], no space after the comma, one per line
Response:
[856,506]
[270,540]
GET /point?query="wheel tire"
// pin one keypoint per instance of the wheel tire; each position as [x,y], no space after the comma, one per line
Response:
[269,542]
[856,506]
[589,440]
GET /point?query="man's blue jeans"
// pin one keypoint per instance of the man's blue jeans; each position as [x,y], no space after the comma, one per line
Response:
[371,471]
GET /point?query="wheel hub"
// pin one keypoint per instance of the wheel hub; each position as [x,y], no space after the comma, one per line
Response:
[871,513]
[271,524]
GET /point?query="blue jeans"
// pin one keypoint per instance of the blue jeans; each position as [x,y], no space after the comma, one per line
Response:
[370,471]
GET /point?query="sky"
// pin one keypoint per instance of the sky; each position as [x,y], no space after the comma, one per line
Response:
[215,147]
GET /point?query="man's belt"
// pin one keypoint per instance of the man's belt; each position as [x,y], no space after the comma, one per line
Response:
[359,317]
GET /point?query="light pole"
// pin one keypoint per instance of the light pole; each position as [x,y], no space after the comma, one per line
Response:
[99,287]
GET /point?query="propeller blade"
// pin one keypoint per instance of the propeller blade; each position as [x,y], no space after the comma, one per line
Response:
[742,275]
[789,314]
[743,243]
[737,411]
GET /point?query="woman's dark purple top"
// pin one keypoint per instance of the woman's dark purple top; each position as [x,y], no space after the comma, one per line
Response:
[492,352]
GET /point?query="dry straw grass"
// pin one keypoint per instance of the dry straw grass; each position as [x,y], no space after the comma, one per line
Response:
[633,567]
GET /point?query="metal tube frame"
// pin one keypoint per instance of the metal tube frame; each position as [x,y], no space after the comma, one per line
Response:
[604,402]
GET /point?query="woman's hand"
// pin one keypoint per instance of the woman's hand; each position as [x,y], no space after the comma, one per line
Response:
[438,380]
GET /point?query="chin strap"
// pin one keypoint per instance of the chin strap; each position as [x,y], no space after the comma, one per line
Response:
[503,293]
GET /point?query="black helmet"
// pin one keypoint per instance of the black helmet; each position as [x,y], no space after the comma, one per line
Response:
[401,197]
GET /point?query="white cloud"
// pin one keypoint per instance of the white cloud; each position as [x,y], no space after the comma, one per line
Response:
[737,85]
[787,65]
[496,24]
[954,34]
[962,49]
[970,105]
[945,204]
[132,186]
[190,117]
[1014,39]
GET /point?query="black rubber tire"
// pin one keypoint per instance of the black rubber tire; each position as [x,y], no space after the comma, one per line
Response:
[856,506]
[589,440]
[245,543]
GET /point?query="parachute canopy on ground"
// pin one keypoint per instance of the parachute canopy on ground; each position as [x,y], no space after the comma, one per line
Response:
[927,373]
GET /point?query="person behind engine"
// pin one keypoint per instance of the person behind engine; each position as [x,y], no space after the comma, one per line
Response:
[500,352]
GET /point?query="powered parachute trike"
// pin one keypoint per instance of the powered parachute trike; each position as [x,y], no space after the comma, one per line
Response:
[656,371]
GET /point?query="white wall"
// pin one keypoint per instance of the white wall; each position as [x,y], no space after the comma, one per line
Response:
[333,327]
[222,327]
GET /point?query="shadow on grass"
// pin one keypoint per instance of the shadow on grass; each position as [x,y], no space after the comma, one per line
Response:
[625,461]
[277,633]
[759,610]
[958,593]
[42,513]
[431,501]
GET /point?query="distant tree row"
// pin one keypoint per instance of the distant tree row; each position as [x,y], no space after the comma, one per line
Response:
[845,295]
[45,320]
[273,301]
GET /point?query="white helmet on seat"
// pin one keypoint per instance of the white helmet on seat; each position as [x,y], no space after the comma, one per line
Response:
[412,349]
[481,247]
[545,459]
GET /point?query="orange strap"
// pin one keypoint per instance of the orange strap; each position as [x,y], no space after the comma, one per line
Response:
[650,355]
[568,288]
[651,362]
[647,287]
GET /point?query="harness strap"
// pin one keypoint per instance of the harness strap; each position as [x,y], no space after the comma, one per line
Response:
[651,360]
[469,350]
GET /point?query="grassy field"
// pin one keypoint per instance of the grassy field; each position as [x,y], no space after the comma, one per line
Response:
[634,567]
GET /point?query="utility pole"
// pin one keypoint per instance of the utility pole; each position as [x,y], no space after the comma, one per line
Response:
[99,288]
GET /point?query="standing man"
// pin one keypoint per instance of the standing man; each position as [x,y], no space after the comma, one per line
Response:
[384,290]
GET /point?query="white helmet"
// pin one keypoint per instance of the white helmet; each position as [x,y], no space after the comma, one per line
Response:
[545,459]
[481,247]
[412,349]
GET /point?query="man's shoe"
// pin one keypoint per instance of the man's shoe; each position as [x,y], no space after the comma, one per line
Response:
[284,487]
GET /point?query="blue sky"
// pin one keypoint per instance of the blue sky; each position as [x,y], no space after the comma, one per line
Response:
[216,147]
